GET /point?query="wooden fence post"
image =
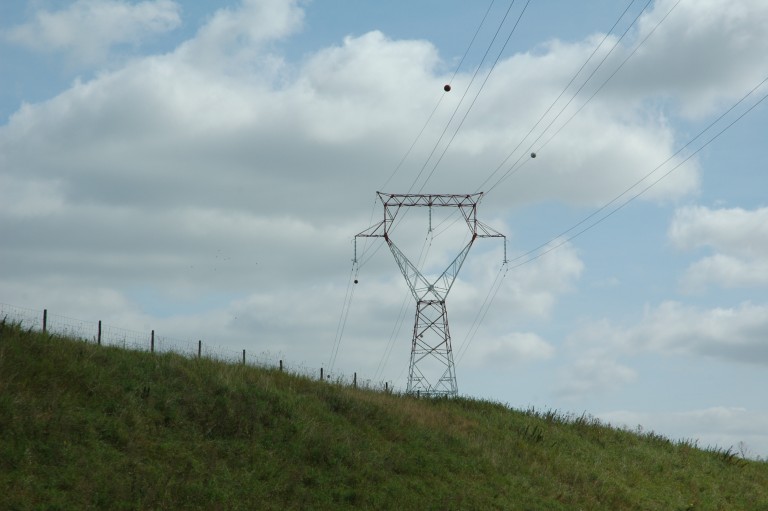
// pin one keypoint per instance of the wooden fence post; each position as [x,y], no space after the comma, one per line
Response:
[321,374]
[98,337]
[386,387]
[199,348]
[45,319]
[152,343]
[243,357]
[281,366]
[354,381]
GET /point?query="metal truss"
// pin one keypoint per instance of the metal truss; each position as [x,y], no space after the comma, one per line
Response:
[431,372]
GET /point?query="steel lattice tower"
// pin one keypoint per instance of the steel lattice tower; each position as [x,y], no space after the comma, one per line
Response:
[431,371]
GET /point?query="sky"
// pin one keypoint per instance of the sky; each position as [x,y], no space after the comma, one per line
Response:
[202,169]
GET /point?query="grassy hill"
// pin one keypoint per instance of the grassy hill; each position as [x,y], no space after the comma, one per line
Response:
[92,427]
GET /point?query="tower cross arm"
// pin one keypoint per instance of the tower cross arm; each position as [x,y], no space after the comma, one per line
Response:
[431,200]
[374,231]
[485,231]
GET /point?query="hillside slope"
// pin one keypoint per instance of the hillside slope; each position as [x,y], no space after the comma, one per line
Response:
[91,427]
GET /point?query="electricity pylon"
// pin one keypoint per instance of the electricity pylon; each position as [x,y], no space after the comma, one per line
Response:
[431,372]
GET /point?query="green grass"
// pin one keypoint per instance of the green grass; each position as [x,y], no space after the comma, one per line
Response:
[92,427]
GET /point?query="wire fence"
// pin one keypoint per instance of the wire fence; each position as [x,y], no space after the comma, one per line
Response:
[108,335]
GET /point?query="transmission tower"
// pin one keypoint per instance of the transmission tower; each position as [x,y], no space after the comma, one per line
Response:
[431,371]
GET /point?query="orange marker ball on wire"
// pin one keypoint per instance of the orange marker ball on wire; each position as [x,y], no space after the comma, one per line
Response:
[447,87]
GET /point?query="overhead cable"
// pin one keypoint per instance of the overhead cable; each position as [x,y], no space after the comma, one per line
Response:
[474,100]
[573,79]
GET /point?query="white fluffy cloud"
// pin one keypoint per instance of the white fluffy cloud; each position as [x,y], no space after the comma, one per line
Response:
[734,334]
[510,350]
[87,29]
[592,374]
[739,238]
[676,62]
[607,356]
[736,230]
[726,271]
[234,40]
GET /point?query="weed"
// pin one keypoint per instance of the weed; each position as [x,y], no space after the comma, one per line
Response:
[533,434]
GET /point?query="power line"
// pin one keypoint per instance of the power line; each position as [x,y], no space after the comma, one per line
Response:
[482,85]
[442,96]
[557,242]
[515,168]
[463,96]
[347,305]
[490,297]
[482,311]
[485,306]
[573,79]
[650,33]
[429,119]
[466,91]
[477,31]
[500,276]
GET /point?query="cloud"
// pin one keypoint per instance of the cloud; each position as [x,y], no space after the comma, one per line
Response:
[604,352]
[733,334]
[676,61]
[725,271]
[510,350]
[234,40]
[527,292]
[611,144]
[23,198]
[739,237]
[741,429]
[590,375]
[88,29]
[738,230]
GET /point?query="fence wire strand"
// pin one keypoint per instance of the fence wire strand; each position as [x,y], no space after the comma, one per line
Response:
[109,335]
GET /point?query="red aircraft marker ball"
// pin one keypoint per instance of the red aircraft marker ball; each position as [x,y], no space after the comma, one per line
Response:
[446,87]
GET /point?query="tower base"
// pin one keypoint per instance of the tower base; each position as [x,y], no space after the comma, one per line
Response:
[431,372]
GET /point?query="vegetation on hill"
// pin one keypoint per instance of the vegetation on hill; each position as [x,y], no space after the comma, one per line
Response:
[92,427]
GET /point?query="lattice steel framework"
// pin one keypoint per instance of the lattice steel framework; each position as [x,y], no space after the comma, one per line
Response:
[431,371]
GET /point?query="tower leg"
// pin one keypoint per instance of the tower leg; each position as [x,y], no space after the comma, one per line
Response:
[431,372]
